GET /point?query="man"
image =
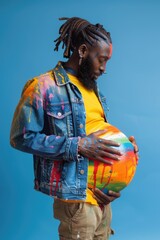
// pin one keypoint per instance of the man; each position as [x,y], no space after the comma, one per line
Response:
[54,121]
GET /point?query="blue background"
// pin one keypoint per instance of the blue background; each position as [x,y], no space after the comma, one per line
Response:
[132,85]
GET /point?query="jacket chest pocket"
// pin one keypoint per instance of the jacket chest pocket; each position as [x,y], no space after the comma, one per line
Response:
[60,119]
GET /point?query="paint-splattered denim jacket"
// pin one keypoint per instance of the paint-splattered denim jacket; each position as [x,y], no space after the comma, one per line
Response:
[48,122]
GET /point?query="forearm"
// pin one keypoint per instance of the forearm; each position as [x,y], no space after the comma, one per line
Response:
[53,147]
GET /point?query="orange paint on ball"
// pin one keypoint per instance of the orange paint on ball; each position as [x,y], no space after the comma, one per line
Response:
[117,176]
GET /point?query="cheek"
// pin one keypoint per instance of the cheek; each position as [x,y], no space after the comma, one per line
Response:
[95,64]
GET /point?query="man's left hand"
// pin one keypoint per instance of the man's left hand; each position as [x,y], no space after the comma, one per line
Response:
[103,198]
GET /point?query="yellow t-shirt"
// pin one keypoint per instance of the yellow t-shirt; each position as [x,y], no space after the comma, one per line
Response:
[94,116]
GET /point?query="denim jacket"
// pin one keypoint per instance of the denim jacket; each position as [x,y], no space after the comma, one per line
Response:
[48,123]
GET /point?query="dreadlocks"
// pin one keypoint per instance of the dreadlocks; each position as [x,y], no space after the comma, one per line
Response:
[76,31]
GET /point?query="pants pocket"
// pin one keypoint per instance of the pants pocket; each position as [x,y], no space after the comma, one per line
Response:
[65,210]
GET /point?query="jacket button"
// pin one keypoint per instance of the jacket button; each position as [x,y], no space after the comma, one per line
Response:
[82,171]
[59,114]
[81,125]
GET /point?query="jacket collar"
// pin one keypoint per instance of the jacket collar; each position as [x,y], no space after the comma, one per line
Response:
[60,75]
[62,78]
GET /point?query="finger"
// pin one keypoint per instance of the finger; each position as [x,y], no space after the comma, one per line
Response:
[114,194]
[105,158]
[133,141]
[101,159]
[110,156]
[105,200]
[108,159]
[137,158]
[108,142]
[100,194]
[98,191]
[101,197]
[109,150]
[110,193]
[99,201]
[99,156]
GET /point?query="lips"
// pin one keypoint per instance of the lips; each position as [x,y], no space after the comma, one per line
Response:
[94,77]
[97,76]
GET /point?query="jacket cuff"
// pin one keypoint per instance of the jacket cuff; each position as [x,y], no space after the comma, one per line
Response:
[71,149]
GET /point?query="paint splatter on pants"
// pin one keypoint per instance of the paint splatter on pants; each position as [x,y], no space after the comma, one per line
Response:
[82,221]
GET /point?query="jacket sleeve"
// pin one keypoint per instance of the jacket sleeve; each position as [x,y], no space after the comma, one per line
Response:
[27,125]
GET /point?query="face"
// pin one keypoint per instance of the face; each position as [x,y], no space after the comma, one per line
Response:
[94,64]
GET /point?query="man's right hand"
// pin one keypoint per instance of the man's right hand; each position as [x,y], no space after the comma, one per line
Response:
[96,148]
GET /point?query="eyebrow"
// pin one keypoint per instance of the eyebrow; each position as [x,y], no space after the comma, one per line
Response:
[105,57]
[102,56]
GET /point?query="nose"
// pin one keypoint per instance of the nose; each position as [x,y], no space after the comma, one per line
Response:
[102,68]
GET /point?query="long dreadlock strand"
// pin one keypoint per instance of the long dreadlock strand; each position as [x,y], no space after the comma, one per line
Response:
[76,31]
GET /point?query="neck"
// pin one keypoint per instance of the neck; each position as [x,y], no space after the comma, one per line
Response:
[70,70]
[71,66]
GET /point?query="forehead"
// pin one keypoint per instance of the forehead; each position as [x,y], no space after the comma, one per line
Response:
[101,48]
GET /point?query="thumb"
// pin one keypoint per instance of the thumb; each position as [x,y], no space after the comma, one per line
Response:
[131,138]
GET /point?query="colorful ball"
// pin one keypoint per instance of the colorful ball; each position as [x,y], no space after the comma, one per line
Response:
[117,176]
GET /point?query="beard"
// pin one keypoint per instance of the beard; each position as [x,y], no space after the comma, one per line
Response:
[85,74]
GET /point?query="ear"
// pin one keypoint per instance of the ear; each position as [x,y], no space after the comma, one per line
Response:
[83,50]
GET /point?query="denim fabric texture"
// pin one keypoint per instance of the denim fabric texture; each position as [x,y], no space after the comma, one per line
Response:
[48,123]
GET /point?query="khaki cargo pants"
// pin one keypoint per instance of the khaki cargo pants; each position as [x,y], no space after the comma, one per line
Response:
[82,221]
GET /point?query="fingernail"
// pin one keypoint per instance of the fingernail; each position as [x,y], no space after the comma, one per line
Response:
[110,163]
